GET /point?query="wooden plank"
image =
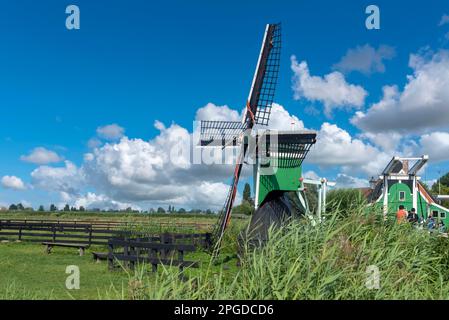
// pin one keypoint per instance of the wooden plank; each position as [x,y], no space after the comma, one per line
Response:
[150,245]
[184,264]
[68,245]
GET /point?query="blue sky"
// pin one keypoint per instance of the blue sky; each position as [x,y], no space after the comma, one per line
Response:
[134,62]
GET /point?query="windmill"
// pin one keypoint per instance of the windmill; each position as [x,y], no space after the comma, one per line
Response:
[283,150]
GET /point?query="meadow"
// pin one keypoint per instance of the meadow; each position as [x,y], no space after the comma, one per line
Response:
[332,260]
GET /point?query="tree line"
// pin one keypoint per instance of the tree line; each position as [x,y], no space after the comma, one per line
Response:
[67,208]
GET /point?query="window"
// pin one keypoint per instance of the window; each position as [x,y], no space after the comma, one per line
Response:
[435,214]
[401,195]
[443,215]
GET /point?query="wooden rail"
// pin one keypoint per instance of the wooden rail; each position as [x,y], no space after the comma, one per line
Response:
[37,231]
[137,251]
[113,225]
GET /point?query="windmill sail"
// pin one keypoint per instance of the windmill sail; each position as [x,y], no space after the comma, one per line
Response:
[260,99]
[258,111]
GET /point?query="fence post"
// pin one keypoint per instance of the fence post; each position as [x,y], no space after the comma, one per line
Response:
[54,233]
[181,259]
[110,255]
[153,256]
[20,233]
[90,235]
[126,251]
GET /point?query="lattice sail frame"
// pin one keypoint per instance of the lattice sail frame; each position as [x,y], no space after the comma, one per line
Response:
[267,90]
[260,100]
[221,133]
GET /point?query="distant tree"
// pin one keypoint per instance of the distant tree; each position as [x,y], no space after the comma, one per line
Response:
[53,208]
[73,209]
[160,210]
[445,180]
[66,207]
[20,207]
[41,208]
[182,210]
[129,209]
[244,208]
[209,211]
[13,207]
[441,187]
[247,192]
[82,208]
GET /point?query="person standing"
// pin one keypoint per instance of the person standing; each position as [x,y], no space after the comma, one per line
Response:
[401,215]
[412,216]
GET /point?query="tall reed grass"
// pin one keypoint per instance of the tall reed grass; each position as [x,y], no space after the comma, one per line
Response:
[326,261]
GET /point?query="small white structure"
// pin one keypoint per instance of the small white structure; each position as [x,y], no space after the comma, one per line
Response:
[322,185]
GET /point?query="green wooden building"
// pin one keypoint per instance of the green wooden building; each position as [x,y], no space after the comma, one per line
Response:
[400,184]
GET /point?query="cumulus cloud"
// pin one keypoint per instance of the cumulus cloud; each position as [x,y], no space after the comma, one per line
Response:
[94,143]
[388,142]
[42,156]
[336,147]
[436,145]
[444,20]
[281,119]
[157,171]
[111,132]
[93,201]
[347,181]
[365,59]
[311,175]
[332,89]
[160,171]
[69,179]
[421,107]
[13,182]
[217,113]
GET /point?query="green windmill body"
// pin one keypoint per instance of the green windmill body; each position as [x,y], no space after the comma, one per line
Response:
[281,170]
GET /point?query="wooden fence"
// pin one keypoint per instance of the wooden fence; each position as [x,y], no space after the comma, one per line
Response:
[84,233]
[135,251]
[114,225]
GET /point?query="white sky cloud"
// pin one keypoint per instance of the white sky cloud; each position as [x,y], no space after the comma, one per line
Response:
[111,132]
[42,156]
[332,89]
[93,201]
[336,147]
[347,181]
[436,145]
[444,20]
[69,179]
[365,59]
[13,182]
[420,108]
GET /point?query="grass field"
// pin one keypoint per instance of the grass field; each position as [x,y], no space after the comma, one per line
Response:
[301,261]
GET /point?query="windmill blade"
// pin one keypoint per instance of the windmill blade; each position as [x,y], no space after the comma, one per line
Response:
[257,112]
[221,133]
[262,92]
